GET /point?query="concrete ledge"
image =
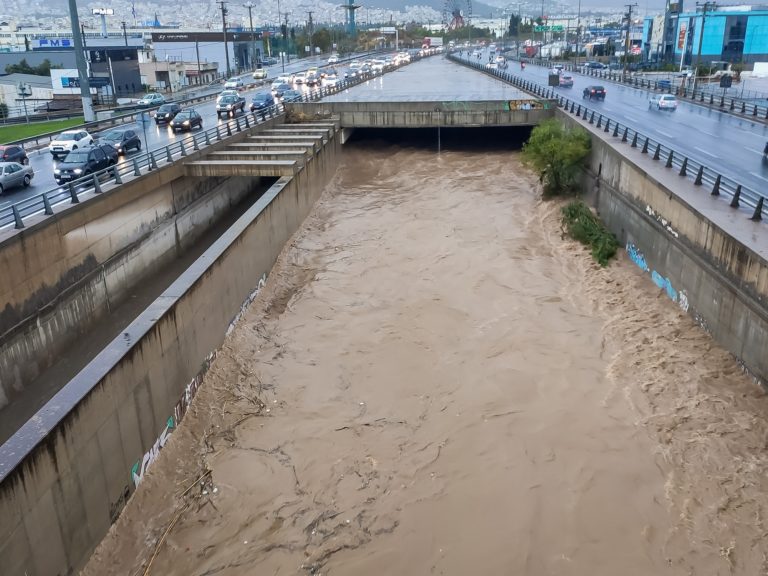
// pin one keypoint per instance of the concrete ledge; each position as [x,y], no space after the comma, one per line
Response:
[213,168]
[297,155]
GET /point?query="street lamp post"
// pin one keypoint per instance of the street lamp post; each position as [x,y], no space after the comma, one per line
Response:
[578,31]
[250,5]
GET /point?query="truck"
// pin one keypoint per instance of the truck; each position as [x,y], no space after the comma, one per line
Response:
[432,42]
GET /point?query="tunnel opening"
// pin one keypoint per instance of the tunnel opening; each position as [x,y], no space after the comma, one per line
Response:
[487,138]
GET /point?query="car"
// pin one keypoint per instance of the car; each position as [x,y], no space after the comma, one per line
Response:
[69,140]
[292,96]
[558,68]
[299,77]
[269,61]
[166,113]
[279,89]
[283,79]
[224,93]
[334,59]
[13,153]
[187,119]
[122,140]
[377,66]
[260,74]
[331,80]
[151,99]
[262,101]
[229,105]
[312,79]
[234,84]
[686,72]
[566,81]
[594,64]
[663,102]
[664,84]
[13,174]
[80,163]
[594,93]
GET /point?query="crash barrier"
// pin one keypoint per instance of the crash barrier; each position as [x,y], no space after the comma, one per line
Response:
[96,183]
[719,184]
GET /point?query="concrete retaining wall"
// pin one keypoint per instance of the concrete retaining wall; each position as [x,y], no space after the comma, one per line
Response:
[63,271]
[422,114]
[670,229]
[65,476]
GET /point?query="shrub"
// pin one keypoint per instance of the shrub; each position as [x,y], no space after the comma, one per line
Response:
[582,225]
[556,153]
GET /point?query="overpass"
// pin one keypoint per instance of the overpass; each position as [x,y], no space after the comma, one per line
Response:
[82,455]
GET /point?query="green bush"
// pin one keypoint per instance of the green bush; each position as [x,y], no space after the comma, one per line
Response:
[582,225]
[556,154]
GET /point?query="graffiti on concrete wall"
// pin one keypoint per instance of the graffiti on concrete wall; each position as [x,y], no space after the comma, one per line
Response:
[139,468]
[661,220]
[680,297]
[190,390]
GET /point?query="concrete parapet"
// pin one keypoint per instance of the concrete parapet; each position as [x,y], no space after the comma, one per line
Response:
[424,114]
[67,473]
[239,154]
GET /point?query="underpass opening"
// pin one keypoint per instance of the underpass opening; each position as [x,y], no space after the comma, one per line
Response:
[487,138]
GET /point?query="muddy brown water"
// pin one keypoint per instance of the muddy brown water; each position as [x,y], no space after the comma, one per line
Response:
[435,381]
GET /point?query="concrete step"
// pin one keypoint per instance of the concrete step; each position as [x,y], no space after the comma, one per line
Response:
[298,155]
[209,168]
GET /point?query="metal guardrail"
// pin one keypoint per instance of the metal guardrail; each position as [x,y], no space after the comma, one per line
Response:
[703,94]
[105,180]
[685,166]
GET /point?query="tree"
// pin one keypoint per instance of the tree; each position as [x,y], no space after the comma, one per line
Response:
[23,67]
[3,110]
[556,153]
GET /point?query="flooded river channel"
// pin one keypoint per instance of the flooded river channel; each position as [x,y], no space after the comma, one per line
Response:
[435,381]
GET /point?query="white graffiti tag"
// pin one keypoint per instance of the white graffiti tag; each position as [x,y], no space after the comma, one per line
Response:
[138,470]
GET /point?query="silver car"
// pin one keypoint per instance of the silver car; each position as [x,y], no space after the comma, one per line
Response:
[13,174]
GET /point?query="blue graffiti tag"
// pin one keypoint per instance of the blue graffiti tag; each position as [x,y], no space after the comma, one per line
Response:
[664,284]
[637,257]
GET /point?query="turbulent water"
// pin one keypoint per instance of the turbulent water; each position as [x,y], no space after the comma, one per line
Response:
[435,381]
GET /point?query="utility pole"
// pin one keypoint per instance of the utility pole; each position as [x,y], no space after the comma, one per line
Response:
[82,69]
[309,26]
[223,5]
[249,5]
[626,40]
[706,6]
[125,32]
[199,72]
[578,30]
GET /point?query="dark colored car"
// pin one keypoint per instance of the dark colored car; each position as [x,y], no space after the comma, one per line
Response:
[262,101]
[279,89]
[13,153]
[187,119]
[122,140]
[594,64]
[166,113]
[79,163]
[292,96]
[664,84]
[594,93]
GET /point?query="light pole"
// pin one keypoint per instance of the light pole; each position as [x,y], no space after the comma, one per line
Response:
[578,31]
[82,69]
[223,5]
[249,5]
[24,90]
[629,31]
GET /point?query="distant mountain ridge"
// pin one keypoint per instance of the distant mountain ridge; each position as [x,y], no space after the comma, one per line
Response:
[479,10]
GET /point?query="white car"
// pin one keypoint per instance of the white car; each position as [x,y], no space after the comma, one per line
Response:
[334,59]
[377,66]
[283,79]
[151,99]
[330,80]
[234,84]
[663,102]
[299,77]
[69,140]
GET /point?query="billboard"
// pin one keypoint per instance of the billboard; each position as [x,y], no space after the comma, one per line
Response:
[681,36]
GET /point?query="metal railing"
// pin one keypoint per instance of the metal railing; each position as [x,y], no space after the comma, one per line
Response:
[107,179]
[701,174]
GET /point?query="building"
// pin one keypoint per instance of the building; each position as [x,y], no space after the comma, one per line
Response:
[171,75]
[38,91]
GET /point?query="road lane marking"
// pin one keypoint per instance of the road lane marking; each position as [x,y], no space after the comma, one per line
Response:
[667,134]
[705,152]
[758,176]
[760,152]
[632,118]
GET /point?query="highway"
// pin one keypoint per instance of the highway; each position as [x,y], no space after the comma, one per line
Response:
[152,136]
[731,145]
